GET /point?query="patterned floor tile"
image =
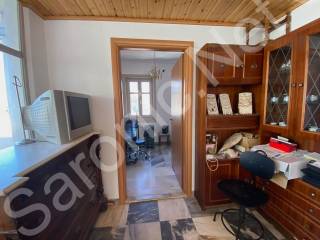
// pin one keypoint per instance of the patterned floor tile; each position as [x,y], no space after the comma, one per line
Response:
[143,212]
[173,209]
[147,179]
[270,227]
[182,229]
[143,231]
[208,229]
[196,211]
[193,206]
[251,230]
[124,216]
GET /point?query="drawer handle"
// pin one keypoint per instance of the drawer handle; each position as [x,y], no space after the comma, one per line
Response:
[300,85]
[307,226]
[313,195]
[9,232]
[222,65]
[254,66]
[310,210]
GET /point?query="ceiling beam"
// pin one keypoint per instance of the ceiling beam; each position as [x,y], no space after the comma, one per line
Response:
[288,23]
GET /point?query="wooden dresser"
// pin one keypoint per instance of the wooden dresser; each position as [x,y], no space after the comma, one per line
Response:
[296,209]
[79,202]
[286,102]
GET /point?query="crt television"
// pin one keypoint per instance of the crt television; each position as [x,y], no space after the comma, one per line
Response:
[58,116]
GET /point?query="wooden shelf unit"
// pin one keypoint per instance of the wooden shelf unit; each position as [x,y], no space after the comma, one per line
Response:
[234,77]
[233,122]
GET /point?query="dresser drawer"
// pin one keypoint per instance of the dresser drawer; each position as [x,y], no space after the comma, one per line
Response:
[277,215]
[295,215]
[306,207]
[88,166]
[306,190]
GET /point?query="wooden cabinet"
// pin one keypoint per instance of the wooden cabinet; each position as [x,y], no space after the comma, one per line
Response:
[236,69]
[76,221]
[223,65]
[277,86]
[308,88]
[296,208]
[253,66]
[227,169]
[291,99]
[231,64]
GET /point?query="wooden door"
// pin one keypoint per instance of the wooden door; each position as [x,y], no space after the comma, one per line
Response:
[176,119]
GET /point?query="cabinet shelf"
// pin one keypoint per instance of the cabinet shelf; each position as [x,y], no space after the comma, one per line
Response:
[233,122]
[243,82]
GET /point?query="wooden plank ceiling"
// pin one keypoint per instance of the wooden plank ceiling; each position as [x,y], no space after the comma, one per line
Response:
[206,12]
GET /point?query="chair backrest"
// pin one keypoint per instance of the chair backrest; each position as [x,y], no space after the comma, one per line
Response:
[131,128]
[258,164]
[148,131]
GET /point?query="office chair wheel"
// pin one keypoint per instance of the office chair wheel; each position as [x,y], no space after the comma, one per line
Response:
[243,220]
[133,156]
[143,155]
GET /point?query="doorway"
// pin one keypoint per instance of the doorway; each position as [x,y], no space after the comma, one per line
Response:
[133,92]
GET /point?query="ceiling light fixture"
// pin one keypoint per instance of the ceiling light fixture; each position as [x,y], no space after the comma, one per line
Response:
[155,73]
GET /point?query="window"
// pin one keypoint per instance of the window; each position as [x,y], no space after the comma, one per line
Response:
[11,67]
[139,97]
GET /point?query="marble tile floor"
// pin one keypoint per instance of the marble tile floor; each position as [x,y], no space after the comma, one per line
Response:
[171,219]
[153,179]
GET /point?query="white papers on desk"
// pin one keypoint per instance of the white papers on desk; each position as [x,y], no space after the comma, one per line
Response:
[271,152]
[290,164]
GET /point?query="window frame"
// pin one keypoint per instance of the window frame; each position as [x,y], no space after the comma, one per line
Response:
[20,54]
[126,94]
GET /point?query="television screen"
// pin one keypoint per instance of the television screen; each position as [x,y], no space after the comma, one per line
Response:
[79,112]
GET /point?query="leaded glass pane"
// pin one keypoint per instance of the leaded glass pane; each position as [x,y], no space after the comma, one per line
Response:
[312,108]
[278,86]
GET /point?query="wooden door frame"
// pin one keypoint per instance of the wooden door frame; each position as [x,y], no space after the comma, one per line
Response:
[187,48]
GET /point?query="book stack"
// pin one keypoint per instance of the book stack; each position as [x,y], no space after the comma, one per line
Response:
[312,172]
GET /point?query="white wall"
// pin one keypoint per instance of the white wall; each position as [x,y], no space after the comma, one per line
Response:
[162,104]
[301,16]
[35,44]
[79,59]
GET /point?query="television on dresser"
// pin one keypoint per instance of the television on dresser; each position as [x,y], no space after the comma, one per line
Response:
[58,116]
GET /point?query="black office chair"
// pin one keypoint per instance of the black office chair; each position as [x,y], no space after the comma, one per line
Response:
[148,135]
[246,194]
[135,146]
[131,136]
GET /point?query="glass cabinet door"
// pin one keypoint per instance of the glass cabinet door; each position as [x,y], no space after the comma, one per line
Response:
[312,98]
[278,98]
